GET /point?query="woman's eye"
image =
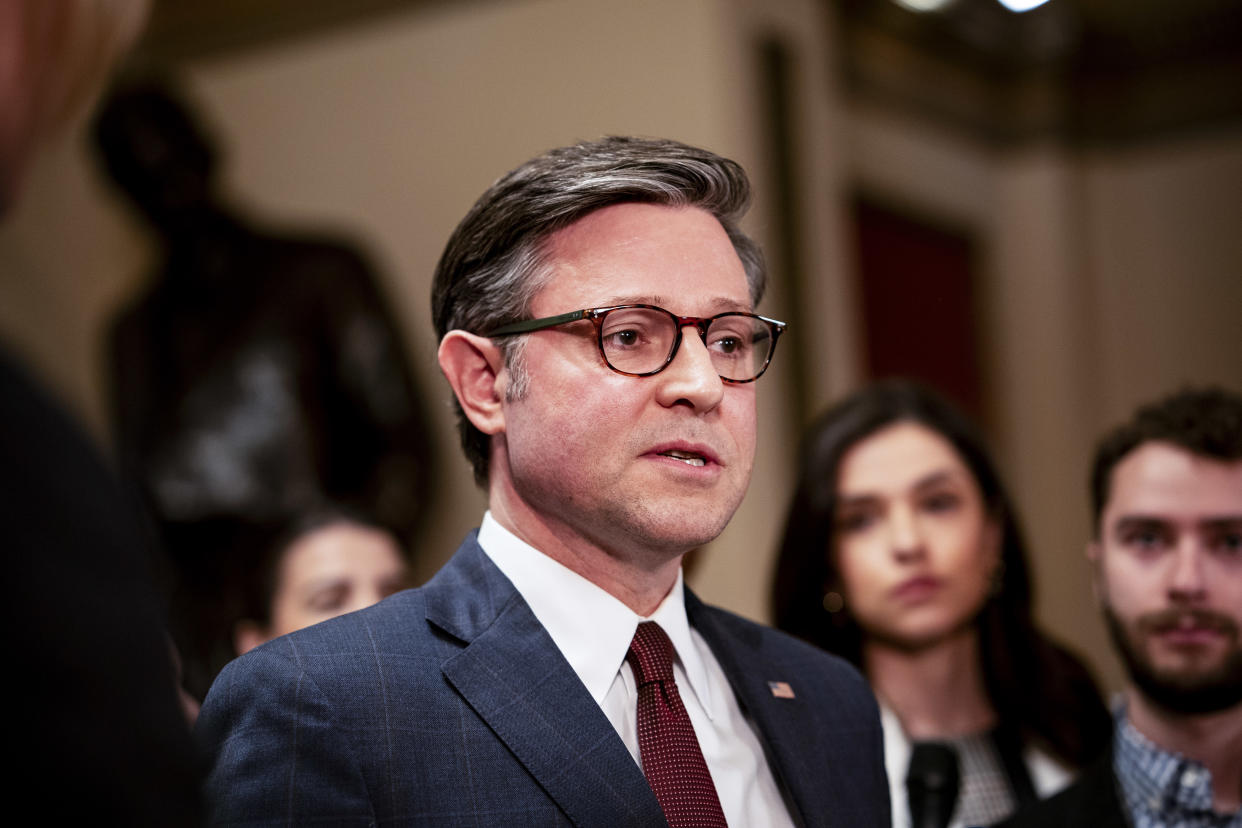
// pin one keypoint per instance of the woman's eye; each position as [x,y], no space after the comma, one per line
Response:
[328,600]
[942,502]
[392,586]
[855,521]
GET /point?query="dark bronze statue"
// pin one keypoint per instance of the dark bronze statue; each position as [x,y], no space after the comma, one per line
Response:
[259,377]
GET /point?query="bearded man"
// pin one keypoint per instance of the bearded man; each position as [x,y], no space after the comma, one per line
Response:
[1167,552]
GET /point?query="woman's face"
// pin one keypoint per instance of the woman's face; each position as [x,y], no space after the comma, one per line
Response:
[333,570]
[916,548]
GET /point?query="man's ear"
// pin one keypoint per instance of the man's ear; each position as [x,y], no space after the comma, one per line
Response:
[1093,555]
[472,365]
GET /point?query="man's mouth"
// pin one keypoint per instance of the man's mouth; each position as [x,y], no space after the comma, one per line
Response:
[687,457]
[1190,622]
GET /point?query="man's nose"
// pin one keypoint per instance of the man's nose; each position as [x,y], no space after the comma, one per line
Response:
[691,377]
[1188,581]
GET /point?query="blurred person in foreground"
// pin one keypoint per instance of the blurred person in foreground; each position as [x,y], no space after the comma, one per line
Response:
[1166,489]
[595,309]
[96,735]
[902,552]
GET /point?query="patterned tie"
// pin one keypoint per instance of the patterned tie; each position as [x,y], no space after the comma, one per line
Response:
[672,760]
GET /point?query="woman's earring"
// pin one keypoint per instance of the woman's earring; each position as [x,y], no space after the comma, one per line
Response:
[996,583]
[833,602]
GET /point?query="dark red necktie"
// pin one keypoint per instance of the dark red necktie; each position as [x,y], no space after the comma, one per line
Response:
[672,759]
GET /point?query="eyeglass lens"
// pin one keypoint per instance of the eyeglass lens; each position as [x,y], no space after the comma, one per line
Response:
[641,340]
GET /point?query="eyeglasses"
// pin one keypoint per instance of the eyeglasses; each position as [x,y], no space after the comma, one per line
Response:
[641,340]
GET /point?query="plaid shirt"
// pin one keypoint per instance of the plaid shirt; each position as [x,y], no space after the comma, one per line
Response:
[1162,789]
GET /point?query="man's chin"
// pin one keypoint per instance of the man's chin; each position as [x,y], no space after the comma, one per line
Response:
[665,533]
[1191,694]
[1190,689]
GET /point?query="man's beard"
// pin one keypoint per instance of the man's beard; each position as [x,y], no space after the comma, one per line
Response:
[1188,690]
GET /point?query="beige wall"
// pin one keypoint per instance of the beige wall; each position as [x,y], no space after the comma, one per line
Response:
[1107,277]
[1165,253]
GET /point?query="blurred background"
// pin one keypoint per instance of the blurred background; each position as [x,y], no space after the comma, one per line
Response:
[1038,213]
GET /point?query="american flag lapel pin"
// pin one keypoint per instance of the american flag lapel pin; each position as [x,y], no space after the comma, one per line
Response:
[781,689]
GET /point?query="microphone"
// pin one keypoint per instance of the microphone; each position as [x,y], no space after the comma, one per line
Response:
[932,784]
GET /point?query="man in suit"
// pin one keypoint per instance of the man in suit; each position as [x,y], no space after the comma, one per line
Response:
[595,309]
[1167,492]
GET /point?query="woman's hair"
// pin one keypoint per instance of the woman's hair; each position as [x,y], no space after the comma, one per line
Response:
[271,544]
[230,569]
[1034,685]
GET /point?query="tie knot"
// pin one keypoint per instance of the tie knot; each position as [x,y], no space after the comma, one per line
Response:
[651,654]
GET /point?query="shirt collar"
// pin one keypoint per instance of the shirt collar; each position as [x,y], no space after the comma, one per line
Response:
[590,627]
[1152,779]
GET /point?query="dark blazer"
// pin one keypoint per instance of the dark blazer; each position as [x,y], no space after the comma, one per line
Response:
[451,705]
[93,729]
[1091,802]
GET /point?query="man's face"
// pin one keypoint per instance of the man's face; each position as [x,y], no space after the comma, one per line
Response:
[615,460]
[1169,575]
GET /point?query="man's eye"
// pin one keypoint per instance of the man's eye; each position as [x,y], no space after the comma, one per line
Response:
[730,339]
[1228,543]
[1144,539]
[626,338]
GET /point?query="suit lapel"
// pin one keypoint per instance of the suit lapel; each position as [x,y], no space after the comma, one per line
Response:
[511,673]
[780,722]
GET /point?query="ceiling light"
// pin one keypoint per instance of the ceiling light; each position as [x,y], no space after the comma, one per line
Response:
[923,5]
[1022,5]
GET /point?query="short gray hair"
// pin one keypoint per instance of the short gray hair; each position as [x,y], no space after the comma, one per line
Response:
[494,264]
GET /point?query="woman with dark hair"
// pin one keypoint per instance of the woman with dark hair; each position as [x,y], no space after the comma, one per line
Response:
[326,563]
[246,581]
[902,553]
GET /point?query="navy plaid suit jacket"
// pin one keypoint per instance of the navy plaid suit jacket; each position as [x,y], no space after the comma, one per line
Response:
[450,705]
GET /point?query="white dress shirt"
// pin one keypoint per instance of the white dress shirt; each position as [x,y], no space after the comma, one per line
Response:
[593,630]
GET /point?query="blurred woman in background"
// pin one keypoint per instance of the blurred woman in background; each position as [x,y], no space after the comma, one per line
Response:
[902,553]
[258,580]
[329,563]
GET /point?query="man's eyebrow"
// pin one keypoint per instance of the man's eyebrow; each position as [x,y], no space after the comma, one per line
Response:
[1140,522]
[1222,523]
[720,304]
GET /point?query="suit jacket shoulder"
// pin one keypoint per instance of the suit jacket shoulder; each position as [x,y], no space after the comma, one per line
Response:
[1090,802]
